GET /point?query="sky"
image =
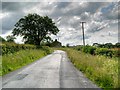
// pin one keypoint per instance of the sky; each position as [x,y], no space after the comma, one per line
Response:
[102,19]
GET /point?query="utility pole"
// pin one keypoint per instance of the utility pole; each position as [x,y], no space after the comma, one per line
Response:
[83,33]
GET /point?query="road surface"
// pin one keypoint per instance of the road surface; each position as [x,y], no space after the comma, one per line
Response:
[52,71]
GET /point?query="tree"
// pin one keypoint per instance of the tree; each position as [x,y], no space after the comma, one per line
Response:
[67,45]
[117,45]
[34,28]
[10,38]
[2,39]
[95,44]
[47,41]
[108,45]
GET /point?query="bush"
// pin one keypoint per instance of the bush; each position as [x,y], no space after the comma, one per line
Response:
[99,51]
[116,53]
[46,49]
[107,52]
[89,49]
[8,48]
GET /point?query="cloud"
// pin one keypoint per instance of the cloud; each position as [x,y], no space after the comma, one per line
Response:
[10,20]
[99,16]
[16,6]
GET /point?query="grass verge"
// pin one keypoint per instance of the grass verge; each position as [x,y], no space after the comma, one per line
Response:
[101,70]
[11,62]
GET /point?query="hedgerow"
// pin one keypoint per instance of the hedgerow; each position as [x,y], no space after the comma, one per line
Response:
[99,51]
[8,48]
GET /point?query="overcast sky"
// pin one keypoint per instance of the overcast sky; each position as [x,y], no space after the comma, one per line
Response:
[101,19]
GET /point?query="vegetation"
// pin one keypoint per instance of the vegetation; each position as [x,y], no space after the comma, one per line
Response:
[10,38]
[98,62]
[107,45]
[101,70]
[2,39]
[99,51]
[8,48]
[13,61]
[34,28]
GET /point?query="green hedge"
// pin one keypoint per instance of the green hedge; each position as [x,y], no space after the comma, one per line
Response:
[99,51]
[107,52]
[8,48]
[89,49]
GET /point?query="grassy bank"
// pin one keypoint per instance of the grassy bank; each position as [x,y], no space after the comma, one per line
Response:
[101,70]
[13,61]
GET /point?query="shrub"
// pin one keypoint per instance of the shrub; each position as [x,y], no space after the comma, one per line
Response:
[89,49]
[99,51]
[107,52]
[8,48]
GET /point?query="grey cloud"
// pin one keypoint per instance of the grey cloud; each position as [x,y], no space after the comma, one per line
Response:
[64,13]
[63,4]
[9,21]
[17,6]
[15,11]
[91,7]
[112,13]
[96,27]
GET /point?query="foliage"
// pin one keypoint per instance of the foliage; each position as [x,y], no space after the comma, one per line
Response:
[8,48]
[10,38]
[67,45]
[99,51]
[11,62]
[103,51]
[89,49]
[117,45]
[101,70]
[46,41]
[2,39]
[107,45]
[34,28]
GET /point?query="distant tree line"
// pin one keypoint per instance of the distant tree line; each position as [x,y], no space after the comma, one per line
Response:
[107,45]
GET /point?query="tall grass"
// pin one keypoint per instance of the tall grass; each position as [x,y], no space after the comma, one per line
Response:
[101,70]
[13,61]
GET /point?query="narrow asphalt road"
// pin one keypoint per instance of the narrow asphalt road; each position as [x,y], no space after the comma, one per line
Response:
[52,71]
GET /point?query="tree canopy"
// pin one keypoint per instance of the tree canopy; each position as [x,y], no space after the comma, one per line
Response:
[10,38]
[34,28]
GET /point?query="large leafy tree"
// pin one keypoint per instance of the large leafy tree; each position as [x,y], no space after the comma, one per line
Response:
[34,28]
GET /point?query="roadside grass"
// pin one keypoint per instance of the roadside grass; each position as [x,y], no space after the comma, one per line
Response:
[101,70]
[13,61]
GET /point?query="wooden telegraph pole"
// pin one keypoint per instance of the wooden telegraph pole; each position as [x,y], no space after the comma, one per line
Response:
[83,33]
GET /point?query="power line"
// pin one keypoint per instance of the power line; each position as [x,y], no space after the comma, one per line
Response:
[83,32]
